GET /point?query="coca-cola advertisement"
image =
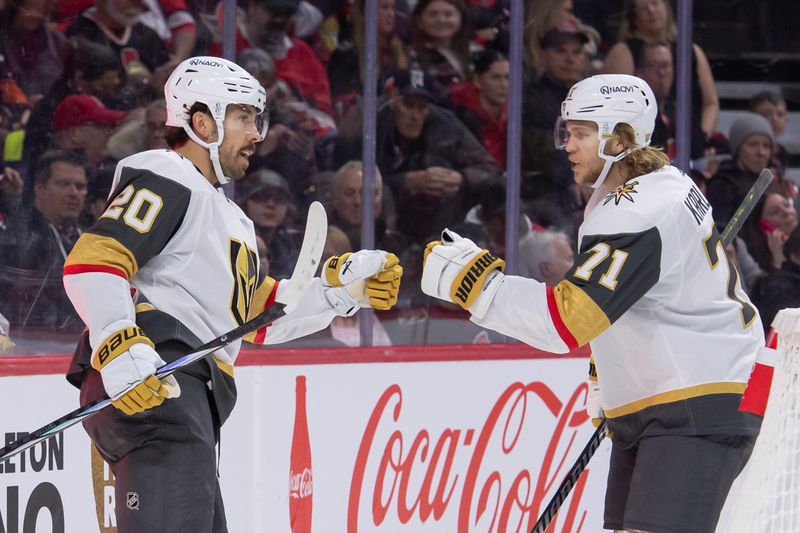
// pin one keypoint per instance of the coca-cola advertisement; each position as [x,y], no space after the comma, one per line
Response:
[301,480]
[461,446]
[400,439]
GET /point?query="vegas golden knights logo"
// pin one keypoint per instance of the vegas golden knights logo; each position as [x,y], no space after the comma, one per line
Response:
[244,267]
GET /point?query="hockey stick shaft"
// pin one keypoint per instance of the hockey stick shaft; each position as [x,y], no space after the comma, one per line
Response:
[78,415]
[566,486]
[765,177]
[307,262]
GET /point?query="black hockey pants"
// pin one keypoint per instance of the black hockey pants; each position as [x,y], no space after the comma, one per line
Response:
[164,459]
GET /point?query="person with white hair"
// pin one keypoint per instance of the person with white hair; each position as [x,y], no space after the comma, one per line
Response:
[545,255]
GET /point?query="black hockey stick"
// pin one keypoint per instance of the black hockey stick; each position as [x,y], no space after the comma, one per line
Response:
[304,270]
[566,486]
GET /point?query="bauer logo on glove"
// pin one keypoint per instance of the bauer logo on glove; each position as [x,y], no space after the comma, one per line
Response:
[127,362]
[456,270]
[367,278]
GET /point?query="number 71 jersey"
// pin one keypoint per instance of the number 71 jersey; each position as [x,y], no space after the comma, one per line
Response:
[652,292]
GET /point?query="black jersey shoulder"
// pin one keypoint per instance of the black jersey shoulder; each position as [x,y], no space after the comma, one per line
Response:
[144,213]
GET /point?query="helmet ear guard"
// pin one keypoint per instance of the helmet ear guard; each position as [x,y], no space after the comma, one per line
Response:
[609,100]
[217,83]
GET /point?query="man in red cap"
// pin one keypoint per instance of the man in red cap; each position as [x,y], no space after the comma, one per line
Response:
[82,122]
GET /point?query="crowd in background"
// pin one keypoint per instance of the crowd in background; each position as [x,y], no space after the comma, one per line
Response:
[81,87]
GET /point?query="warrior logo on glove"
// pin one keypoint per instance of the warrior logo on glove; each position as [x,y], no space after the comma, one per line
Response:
[471,274]
[457,270]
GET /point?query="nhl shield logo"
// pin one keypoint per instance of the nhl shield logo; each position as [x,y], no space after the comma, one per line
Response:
[132,501]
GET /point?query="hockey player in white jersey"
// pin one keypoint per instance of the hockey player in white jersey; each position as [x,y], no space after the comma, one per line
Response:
[170,265]
[652,292]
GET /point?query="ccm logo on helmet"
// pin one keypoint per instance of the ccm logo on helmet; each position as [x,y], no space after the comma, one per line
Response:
[205,62]
[608,89]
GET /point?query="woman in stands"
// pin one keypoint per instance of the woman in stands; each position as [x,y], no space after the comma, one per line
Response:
[441,33]
[768,228]
[649,22]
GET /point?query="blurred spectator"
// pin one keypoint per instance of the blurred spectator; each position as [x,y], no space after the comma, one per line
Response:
[434,166]
[137,135]
[265,24]
[765,231]
[265,198]
[33,51]
[345,66]
[486,221]
[263,259]
[170,19]
[36,242]
[93,69]
[174,23]
[655,66]
[115,24]
[14,104]
[541,16]
[299,135]
[82,122]
[545,255]
[752,143]
[652,21]
[97,192]
[778,290]
[11,184]
[772,107]
[441,33]
[489,20]
[547,171]
[345,211]
[482,102]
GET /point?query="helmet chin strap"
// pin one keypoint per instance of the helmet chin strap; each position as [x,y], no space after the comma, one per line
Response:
[213,150]
[609,160]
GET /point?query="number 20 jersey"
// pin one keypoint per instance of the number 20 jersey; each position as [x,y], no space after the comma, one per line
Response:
[653,293]
[186,250]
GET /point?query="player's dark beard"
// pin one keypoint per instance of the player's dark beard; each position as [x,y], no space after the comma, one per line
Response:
[228,160]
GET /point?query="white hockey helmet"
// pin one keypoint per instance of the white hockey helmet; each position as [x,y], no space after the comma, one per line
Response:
[608,100]
[217,83]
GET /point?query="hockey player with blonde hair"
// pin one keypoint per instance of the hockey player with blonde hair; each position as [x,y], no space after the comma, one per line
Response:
[170,265]
[652,292]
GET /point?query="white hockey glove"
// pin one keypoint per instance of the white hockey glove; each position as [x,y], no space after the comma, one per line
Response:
[456,270]
[593,406]
[127,362]
[367,278]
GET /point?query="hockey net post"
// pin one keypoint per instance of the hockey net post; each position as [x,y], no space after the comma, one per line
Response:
[766,496]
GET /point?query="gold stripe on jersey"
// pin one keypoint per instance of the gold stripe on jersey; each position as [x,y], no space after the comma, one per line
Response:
[93,249]
[260,297]
[582,316]
[225,367]
[260,302]
[724,387]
